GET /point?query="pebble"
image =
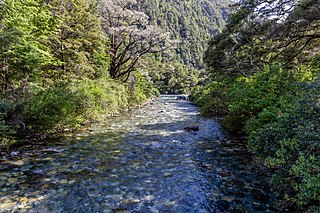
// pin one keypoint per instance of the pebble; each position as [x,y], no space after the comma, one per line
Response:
[71,182]
[53,172]
[23,199]
[35,193]
[44,186]
[149,198]
[227,198]
[6,203]
[12,180]
[18,163]
[41,197]
[63,181]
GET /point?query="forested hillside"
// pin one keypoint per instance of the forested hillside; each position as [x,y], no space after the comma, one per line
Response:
[192,22]
[265,84]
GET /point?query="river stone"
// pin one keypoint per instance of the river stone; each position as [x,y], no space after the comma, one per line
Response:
[6,203]
[53,172]
[71,182]
[18,163]
[2,174]
[23,199]
[44,186]
[35,193]
[168,174]
[227,198]
[12,180]
[41,197]
[149,198]
[63,181]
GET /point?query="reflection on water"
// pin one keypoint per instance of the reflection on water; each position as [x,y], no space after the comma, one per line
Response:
[143,162]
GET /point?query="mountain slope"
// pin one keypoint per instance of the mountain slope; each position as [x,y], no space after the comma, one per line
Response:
[193,22]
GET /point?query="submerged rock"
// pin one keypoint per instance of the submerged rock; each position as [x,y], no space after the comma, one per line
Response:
[182,97]
[192,128]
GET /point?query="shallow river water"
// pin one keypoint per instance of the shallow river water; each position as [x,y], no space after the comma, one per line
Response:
[142,162]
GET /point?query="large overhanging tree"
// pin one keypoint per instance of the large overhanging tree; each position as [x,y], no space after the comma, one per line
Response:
[131,37]
[264,31]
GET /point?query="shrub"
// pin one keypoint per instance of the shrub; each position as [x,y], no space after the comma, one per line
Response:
[6,132]
[290,143]
[69,104]
[52,108]
[210,98]
[248,96]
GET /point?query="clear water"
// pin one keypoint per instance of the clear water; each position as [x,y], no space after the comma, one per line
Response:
[143,162]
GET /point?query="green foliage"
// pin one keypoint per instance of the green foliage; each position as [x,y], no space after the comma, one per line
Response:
[249,96]
[280,114]
[192,22]
[101,97]
[254,36]
[141,89]
[6,133]
[24,47]
[54,63]
[211,99]
[79,43]
[289,141]
[172,77]
[70,104]
[52,108]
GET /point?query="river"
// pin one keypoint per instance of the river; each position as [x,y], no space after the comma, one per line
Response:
[142,162]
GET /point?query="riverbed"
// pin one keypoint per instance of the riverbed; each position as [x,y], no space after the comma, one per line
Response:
[141,162]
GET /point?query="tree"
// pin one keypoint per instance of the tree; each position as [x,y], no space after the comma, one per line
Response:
[130,36]
[261,32]
[24,47]
[79,39]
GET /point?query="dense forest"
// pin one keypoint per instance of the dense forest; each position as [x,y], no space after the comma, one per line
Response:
[264,82]
[60,68]
[191,23]
[72,62]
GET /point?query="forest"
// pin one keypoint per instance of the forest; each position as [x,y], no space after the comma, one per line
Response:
[253,64]
[264,84]
[68,63]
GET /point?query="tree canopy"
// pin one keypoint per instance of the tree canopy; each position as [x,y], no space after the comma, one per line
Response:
[131,36]
[261,32]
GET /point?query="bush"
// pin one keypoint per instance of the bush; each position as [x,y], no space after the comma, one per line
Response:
[53,108]
[101,97]
[248,96]
[289,142]
[211,99]
[141,90]
[280,113]
[69,104]
[6,132]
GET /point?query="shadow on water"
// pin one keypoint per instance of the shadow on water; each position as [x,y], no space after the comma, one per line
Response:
[145,162]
